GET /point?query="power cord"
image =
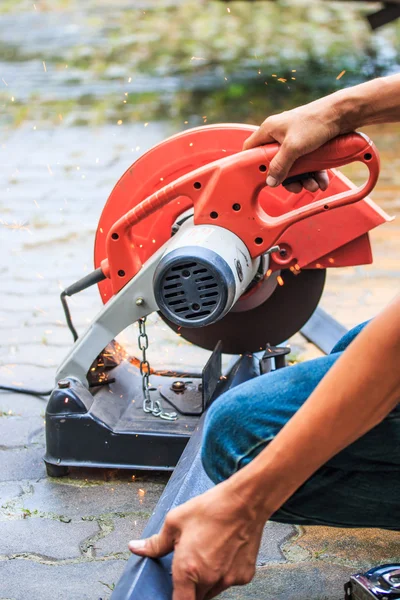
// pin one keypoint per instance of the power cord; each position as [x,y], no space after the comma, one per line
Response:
[76,287]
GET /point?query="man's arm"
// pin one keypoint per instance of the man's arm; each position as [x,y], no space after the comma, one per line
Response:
[304,129]
[356,394]
[216,536]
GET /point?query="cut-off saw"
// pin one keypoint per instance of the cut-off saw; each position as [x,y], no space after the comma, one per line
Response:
[191,231]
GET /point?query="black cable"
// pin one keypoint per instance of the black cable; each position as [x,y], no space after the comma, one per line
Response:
[87,281]
[18,390]
[67,314]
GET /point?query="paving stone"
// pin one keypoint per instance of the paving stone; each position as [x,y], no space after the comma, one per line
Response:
[356,547]
[125,529]
[9,491]
[274,535]
[59,497]
[21,579]
[21,464]
[294,582]
[21,431]
[47,537]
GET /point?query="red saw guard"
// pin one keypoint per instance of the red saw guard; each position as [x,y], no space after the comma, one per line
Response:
[204,168]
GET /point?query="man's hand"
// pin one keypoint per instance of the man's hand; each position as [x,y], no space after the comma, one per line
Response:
[299,131]
[216,538]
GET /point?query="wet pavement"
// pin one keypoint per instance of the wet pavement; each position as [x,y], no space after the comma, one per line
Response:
[67,538]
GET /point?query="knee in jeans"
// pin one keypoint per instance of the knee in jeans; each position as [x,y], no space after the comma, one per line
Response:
[219,439]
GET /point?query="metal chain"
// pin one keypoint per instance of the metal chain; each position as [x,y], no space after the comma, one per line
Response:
[149,404]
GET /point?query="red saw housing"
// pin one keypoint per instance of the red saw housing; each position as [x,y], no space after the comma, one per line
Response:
[205,168]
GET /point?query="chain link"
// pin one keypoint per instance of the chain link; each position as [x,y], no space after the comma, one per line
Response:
[149,404]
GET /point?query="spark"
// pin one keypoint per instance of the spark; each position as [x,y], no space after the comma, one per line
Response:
[133,477]
[331,260]
[137,148]
[4,81]
[12,99]
[268,273]
[293,78]
[101,230]
[293,70]
[297,267]
[280,280]
[60,117]
[186,122]
[282,79]
[36,203]
[129,79]
[273,75]
[141,492]
[340,74]
[15,226]
[49,170]
[191,144]
[145,124]
[229,10]
[198,58]
[34,6]
[44,67]
[119,122]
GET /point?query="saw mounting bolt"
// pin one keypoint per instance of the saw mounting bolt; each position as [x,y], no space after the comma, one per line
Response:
[149,404]
[139,302]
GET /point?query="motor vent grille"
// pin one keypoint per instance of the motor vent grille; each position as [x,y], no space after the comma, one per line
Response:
[190,292]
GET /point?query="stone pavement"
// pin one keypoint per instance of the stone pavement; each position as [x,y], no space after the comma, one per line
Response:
[67,538]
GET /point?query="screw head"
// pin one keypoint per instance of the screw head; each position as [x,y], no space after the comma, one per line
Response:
[63,384]
[139,302]
[178,386]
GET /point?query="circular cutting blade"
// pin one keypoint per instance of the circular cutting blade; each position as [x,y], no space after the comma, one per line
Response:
[283,314]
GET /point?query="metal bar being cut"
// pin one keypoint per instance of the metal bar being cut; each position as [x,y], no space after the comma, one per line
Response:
[148,579]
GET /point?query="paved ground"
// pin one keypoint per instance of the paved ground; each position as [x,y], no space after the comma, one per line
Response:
[67,538]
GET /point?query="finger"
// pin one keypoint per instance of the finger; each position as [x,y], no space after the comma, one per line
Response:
[321,177]
[310,185]
[155,546]
[294,188]
[258,138]
[216,590]
[184,590]
[281,164]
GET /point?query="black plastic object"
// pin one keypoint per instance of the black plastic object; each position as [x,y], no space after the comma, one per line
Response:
[379,583]
[323,331]
[274,321]
[296,178]
[146,578]
[105,426]
[390,12]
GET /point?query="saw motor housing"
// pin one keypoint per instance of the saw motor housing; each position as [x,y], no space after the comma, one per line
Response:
[202,274]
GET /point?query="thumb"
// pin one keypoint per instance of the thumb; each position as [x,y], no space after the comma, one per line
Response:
[155,546]
[281,164]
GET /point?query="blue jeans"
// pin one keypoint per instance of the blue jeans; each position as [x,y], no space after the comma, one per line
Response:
[359,487]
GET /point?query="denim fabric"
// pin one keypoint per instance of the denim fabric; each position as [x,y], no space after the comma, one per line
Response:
[359,487]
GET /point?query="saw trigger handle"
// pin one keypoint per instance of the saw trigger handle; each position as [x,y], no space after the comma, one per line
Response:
[297,178]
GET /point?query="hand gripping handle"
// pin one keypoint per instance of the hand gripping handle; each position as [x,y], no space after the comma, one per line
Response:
[338,152]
